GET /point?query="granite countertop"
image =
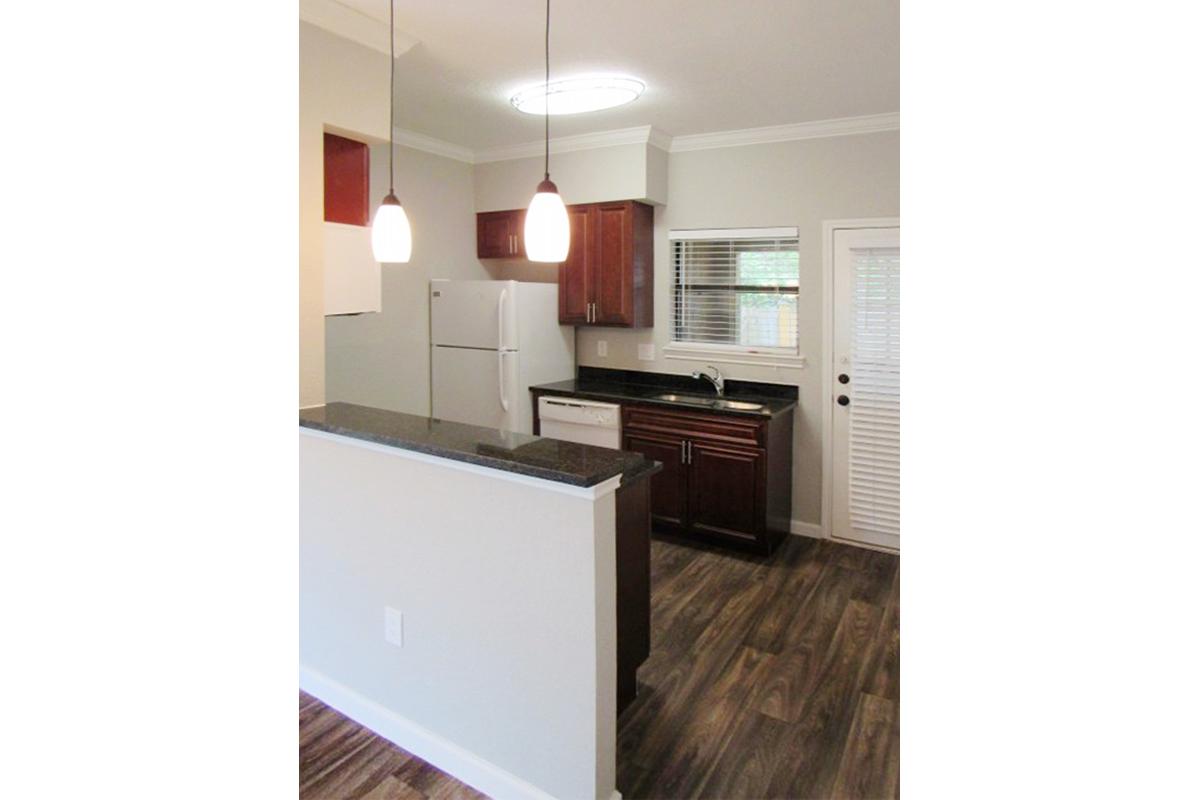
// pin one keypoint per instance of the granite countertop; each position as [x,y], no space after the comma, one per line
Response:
[565,462]
[593,383]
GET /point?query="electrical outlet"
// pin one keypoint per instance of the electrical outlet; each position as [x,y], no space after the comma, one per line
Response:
[646,352]
[393,626]
[602,348]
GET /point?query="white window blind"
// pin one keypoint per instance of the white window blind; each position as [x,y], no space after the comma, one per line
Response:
[874,486]
[737,288]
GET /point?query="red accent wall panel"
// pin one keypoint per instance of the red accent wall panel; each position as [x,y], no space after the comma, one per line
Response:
[347,180]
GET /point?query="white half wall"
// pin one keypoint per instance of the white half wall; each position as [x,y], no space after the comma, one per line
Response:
[506,677]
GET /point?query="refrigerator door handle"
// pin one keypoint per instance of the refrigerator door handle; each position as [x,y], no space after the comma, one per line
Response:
[500,371]
[500,319]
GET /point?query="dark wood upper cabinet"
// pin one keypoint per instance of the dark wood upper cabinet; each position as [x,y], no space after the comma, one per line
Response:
[575,274]
[608,277]
[347,181]
[500,234]
[620,257]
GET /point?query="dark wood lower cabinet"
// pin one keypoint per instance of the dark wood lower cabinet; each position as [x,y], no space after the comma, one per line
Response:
[725,479]
[668,501]
[723,493]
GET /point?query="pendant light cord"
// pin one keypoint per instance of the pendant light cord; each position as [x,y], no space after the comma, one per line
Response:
[547,91]
[392,96]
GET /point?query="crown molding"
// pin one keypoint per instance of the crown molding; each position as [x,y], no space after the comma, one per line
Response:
[566,144]
[428,144]
[646,134]
[352,24]
[819,129]
[660,140]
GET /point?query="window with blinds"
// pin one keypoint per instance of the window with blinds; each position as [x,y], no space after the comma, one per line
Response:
[874,486]
[737,288]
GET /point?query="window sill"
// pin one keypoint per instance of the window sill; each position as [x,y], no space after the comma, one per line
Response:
[731,355]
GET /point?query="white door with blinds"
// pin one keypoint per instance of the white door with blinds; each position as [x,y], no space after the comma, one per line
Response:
[866,386]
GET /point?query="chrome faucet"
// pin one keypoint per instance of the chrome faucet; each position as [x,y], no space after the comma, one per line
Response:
[718,381]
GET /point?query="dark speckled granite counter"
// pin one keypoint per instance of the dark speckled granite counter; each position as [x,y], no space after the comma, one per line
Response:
[630,386]
[522,453]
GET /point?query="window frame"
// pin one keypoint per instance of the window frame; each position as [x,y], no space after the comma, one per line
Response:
[790,357]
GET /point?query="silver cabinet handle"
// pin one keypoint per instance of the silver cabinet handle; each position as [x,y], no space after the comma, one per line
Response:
[689,451]
[683,452]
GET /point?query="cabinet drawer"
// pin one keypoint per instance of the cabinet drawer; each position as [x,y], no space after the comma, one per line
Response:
[695,425]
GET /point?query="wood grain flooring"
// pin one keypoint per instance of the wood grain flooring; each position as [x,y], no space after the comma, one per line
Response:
[767,678]
[342,760]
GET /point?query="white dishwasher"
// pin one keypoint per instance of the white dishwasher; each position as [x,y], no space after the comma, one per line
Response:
[585,421]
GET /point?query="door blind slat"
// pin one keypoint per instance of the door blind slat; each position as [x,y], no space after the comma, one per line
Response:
[874,413]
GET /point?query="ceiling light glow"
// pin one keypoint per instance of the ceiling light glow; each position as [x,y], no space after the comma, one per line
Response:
[578,95]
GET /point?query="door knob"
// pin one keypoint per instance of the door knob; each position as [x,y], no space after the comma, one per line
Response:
[843,378]
[843,400]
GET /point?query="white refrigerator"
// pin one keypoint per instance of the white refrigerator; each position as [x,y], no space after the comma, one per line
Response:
[491,341]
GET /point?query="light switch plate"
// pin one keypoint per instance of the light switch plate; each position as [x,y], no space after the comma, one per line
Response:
[602,348]
[393,626]
[646,352]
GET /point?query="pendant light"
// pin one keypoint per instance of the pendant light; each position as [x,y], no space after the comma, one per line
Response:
[547,230]
[391,236]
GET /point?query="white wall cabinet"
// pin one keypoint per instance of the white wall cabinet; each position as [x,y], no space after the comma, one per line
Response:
[353,283]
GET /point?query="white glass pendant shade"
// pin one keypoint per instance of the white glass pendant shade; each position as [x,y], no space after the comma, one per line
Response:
[391,236]
[547,230]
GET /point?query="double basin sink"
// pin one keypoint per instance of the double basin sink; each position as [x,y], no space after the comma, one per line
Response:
[710,402]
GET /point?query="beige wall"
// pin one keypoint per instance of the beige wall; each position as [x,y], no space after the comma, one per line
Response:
[382,359]
[789,183]
[344,86]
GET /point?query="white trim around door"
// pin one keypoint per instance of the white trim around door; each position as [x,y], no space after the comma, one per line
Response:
[828,227]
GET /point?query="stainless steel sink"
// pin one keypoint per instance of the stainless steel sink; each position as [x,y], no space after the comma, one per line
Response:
[737,405]
[711,402]
[685,398]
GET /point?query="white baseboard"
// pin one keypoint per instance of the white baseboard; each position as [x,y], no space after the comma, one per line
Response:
[447,756]
[809,529]
[815,531]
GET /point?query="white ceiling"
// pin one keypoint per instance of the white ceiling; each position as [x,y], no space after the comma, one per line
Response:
[708,65]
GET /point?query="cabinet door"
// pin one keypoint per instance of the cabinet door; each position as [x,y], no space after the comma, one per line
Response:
[669,488]
[612,282]
[574,274]
[516,225]
[494,231]
[725,490]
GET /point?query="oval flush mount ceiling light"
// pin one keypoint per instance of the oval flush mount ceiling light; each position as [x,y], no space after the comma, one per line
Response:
[578,95]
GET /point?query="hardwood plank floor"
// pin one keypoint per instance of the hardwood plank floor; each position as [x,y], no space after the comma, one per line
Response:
[342,760]
[768,678]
